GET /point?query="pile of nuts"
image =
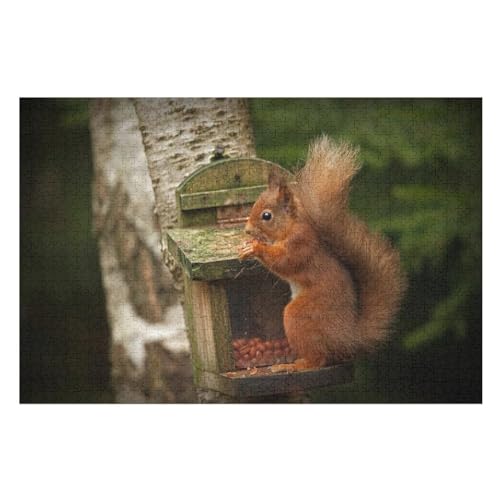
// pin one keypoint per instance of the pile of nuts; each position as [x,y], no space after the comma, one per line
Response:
[255,351]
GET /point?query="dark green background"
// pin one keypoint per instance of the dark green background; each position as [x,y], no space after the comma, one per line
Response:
[421,185]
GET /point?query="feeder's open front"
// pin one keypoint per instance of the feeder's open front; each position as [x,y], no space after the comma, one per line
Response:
[234,309]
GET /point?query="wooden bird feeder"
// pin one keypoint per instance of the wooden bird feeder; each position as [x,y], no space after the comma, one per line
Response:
[229,303]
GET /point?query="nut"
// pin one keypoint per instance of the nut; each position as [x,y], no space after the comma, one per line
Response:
[256,351]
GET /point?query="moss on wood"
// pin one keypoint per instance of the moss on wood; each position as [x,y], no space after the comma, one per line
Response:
[210,253]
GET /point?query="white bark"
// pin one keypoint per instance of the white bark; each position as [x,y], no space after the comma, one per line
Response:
[143,306]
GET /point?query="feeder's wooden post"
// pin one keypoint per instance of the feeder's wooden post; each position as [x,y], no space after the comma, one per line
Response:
[207,312]
[179,136]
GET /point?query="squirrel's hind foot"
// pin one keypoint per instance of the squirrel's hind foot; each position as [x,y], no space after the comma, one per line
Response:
[306,364]
[297,365]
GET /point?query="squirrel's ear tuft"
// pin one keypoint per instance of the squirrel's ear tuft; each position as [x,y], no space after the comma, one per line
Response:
[286,197]
[276,180]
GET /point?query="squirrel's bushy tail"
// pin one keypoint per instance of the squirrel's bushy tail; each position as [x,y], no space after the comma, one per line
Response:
[323,187]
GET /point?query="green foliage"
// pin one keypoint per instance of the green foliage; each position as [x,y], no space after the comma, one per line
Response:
[421,184]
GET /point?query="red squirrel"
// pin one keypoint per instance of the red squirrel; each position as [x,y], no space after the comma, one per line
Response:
[346,282]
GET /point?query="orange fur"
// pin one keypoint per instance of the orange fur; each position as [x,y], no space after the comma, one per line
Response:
[348,281]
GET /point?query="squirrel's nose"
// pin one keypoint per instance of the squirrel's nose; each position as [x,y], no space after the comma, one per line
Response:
[248,228]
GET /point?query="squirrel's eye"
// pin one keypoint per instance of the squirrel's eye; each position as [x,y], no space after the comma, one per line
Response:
[267,215]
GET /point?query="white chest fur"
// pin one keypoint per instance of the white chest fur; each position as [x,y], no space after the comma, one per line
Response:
[294,288]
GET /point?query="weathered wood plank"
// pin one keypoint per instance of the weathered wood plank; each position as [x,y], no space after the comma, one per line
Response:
[278,383]
[222,331]
[227,174]
[202,318]
[196,361]
[221,197]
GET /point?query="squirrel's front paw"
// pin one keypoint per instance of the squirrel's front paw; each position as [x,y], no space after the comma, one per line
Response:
[247,250]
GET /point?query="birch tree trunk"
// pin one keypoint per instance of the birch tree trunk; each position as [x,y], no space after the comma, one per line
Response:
[181,135]
[150,351]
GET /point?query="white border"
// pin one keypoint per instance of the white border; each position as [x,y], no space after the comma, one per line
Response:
[371,49]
